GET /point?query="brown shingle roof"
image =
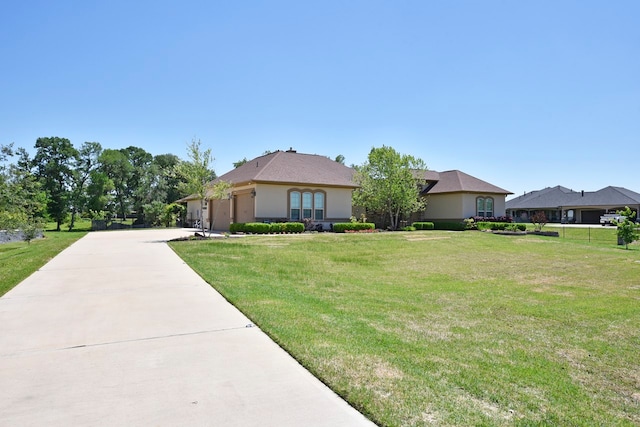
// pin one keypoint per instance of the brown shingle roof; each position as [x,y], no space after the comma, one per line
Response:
[455,181]
[292,168]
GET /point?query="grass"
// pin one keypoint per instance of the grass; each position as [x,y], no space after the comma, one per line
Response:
[445,328]
[18,260]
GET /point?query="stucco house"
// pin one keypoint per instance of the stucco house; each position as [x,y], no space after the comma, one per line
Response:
[454,195]
[291,186]
[561,204]
[281,186]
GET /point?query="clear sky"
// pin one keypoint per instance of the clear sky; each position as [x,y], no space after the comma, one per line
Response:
[524,95]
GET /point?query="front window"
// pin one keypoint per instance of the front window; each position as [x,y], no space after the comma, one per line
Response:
[307,205]
[318,202]
[488,206]
[484,207]
[480,207]
[295,205]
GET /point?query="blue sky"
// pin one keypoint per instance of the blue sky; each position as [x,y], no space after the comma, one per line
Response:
[524,95]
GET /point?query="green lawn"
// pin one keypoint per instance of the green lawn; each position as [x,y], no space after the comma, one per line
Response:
[445,328]
[19,259]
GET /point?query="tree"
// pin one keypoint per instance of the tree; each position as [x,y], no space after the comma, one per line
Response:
[85,164]
[340,159]
[54,161]
[168,182]
[240,163]
[115,165]
[22,200]
[627,229]
[539,220]
[197,173]
[142,180]
[388,184]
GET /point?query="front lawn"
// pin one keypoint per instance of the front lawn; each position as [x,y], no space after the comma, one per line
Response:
[447,328]
[19,259]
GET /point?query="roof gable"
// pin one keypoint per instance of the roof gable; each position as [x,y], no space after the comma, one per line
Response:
[292,168]
[455,181]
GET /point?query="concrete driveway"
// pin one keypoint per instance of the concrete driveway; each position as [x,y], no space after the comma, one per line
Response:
[118,331]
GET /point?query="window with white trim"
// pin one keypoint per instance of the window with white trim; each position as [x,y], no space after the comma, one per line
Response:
[294,203]
[306,205]
[318,204]
[484,206]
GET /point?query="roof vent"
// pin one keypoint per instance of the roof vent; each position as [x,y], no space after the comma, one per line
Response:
[291,150]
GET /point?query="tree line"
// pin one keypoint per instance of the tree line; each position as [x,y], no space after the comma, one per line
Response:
[62,182]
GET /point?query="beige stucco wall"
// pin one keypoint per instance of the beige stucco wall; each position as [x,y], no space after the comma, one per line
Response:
[272,201]
[444,206]
[455,206]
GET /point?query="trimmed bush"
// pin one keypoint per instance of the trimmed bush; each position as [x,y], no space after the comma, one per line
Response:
[500,226]
[277,227]
[408,228]
[423,225]
[236,227]
[294,227]
[266,228]
[449,226]
[341,227]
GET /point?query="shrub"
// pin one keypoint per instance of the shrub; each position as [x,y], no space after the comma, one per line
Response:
[342,227]
[449,225]
[236,227]
[423,225]
[500,226]
[408,228]
[293,227]
[277,227]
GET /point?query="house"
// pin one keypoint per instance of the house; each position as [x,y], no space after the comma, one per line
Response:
[561,204]
[454,195]
[290,186]
[281,186]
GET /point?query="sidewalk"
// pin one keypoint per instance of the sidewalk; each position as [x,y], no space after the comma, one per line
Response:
[118,331]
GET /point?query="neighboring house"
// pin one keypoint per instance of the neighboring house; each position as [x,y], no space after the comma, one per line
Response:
[561,204]
[454,195]
[281,186]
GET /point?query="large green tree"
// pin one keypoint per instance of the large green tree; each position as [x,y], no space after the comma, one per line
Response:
[141,180]
[388,184]
[86,163]
[53,162]
[115,165]
[168,181]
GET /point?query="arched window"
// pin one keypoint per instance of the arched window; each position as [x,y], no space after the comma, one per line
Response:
[484,206]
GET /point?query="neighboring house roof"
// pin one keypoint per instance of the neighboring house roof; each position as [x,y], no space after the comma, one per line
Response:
[563,197]
[290,167]
[455,181]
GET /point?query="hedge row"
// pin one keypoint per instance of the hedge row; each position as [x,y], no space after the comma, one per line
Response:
[264,228]
[341,227]
[423,225]
[503,218]
[449,226]
[500,226]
